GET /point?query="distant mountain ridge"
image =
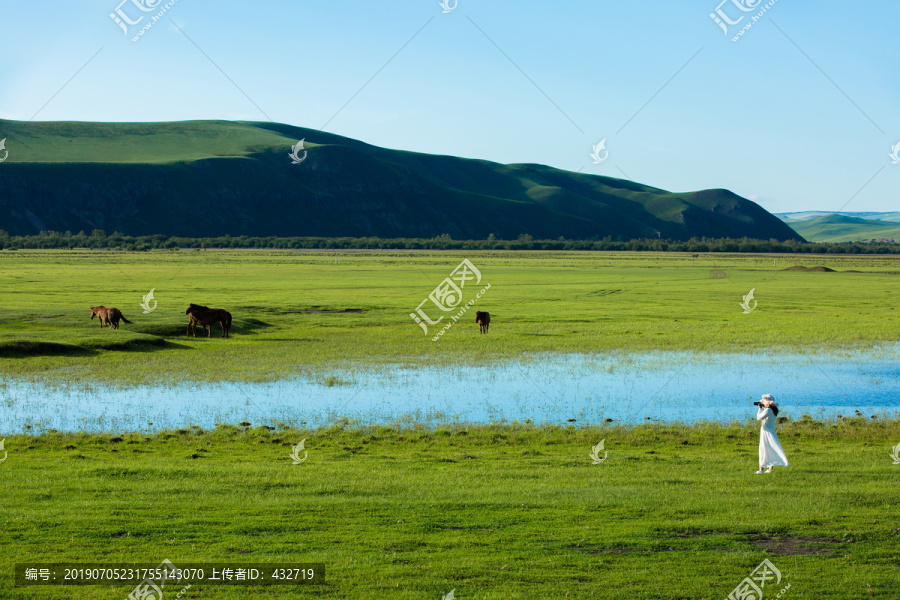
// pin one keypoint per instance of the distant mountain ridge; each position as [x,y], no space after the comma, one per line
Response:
[791,217]
[206,178]
[845,227]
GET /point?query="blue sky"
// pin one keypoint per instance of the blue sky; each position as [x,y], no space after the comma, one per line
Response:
[800,113]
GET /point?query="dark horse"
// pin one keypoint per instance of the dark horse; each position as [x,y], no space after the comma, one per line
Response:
[108,315]
[206,317]
[483,319]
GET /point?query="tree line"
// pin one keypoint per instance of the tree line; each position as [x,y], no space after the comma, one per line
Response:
[98,239]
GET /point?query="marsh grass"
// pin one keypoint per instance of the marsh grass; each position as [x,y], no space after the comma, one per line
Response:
[494,511]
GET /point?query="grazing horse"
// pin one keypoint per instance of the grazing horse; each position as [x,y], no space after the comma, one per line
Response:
[206,317]
[483,319]
[108,315]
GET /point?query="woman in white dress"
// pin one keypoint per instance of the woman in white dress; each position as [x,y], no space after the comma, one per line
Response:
[771,454]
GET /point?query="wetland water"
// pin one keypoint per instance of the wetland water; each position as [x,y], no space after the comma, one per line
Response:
[629,388]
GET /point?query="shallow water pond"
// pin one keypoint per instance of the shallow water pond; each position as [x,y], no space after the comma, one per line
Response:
[629,388]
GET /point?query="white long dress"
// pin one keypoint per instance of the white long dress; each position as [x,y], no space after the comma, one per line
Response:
[771,454]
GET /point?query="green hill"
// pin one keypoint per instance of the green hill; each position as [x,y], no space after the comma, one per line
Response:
[792,217]
[842,228]
[203,178]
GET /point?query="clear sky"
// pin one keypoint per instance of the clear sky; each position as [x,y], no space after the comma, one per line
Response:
[800,113]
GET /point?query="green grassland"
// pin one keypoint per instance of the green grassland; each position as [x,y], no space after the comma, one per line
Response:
[493,512]
[306,313]
[405,511]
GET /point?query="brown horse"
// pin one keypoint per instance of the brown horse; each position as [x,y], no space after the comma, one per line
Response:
[207,316]
[108,315]
[483,319]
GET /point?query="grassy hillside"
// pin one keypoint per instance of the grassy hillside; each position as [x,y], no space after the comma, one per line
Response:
[203,178]
[841,228]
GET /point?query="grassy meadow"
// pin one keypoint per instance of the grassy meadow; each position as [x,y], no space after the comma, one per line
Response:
[303,313]
[513,510]
[493,512]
